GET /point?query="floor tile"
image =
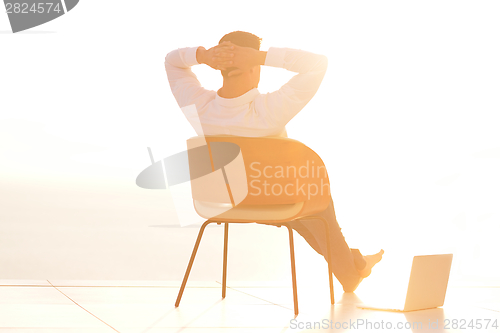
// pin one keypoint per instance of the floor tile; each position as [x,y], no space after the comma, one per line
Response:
[148,307]
[132,283]
[180,317]
[493,306]
[58,330]
[307,297]
[131,308]
[32,295]
[24,283]
[146,295]
[46,316]
[216,330]
[472,296]
[240,315]
[22,306]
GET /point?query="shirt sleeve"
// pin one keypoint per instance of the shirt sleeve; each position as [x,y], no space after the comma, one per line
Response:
[184,84]
[280,106]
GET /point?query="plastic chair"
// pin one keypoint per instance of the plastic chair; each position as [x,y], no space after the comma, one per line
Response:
[226,172]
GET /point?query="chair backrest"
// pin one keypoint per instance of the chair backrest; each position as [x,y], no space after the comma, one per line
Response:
[243,172]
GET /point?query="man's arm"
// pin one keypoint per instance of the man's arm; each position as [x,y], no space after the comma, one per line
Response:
[280,106]
[276,109]
[183,82]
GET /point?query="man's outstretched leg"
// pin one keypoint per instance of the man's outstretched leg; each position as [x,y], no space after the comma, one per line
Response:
[348,265]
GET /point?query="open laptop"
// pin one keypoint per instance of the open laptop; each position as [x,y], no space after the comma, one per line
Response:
[427,287]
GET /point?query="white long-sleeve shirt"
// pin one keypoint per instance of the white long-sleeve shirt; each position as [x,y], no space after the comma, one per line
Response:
[251,114]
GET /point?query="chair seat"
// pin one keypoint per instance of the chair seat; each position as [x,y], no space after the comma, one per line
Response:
[248,213]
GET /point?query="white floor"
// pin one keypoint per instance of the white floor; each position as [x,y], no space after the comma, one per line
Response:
[124,306]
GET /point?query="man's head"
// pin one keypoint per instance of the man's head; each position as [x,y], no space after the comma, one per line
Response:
[243,39]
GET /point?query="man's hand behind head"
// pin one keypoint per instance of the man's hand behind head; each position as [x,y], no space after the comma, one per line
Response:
[228,55]
[241,58]
[217,57]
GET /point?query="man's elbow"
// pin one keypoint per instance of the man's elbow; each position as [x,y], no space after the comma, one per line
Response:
[170,61]
[168,58]
[168,66]
[173,58]
[323,63]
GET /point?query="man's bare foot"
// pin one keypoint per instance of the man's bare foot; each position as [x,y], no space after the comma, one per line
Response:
[359,260]
[370,260]
[364,262]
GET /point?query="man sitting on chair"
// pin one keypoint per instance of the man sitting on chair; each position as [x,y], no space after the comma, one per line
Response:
[239,109]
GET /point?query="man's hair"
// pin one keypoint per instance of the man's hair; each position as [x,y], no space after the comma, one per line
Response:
[243,39]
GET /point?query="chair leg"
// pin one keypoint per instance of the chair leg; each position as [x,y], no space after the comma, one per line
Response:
[193,255]
[224,261]
[328,247]
[294,277]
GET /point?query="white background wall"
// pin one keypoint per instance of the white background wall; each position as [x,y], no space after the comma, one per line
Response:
[406,121]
